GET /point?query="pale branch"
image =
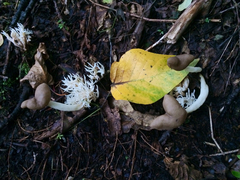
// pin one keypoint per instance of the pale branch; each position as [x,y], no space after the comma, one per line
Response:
[183,22]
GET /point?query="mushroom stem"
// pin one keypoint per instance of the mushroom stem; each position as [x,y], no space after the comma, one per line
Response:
[64,107]
[204,90]
[175,115]
[192,69]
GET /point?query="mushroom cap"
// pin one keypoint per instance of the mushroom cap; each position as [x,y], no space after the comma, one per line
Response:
[180,62]
[40,100]
[175,115]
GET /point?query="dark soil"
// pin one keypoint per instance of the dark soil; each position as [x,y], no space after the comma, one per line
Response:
[87,150]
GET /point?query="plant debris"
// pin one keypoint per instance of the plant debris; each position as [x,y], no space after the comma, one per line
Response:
[38,73]
[103,140]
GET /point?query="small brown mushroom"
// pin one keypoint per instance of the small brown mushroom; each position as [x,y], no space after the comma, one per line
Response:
[180,62]
[40,100]
[175,115]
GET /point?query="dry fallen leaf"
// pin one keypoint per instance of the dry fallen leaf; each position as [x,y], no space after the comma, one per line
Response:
[180,170]
[184,5]
[143,77]
[38,73]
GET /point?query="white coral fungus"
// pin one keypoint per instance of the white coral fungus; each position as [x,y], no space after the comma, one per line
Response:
[187,100]
[95,71]
[82,91]
[19,36]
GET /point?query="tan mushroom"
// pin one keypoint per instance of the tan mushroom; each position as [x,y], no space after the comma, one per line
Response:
[180,62]
[174,115]
[40,100]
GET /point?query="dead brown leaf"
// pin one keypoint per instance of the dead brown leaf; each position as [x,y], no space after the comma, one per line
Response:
[180,170]
[38,73]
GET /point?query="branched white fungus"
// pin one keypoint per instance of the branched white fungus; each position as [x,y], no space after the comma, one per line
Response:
[187,100]
[81,91]
[181,88]
[19,36]
[95,70]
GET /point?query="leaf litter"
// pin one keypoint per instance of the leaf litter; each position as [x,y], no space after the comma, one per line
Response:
[85,151]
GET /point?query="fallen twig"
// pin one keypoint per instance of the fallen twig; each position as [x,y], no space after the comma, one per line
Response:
[60,17]
[135,15]
[17,109]
[134,155]
[136,35]
[224,153]
[183,21]
[7,58]
[113,154]
[62,126]
[226,47]
[216,144]
[211,128]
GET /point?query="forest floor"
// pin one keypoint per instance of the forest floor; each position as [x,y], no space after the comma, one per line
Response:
[36,144]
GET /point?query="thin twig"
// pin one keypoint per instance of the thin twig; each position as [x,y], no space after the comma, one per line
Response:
[134,156]
[211,128]
[4,77]
[113,153]
[155,150]
[156,43]
[33,164]
[224,153]
[218,61]
[230,72]
[135,15]
[60,17]
[176,31]
[232,7]
[7,58]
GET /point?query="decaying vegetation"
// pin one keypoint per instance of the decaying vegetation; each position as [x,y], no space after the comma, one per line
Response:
[50,44]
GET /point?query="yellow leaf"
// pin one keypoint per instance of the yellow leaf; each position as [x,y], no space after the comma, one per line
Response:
[143,77]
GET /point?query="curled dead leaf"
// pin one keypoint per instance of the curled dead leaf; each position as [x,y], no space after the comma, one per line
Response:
[38,73]
[180,170]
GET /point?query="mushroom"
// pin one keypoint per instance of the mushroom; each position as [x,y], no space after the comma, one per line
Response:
[181,62]
[174,115]
[42,98]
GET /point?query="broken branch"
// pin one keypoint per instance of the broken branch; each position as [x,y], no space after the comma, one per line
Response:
[183,21]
